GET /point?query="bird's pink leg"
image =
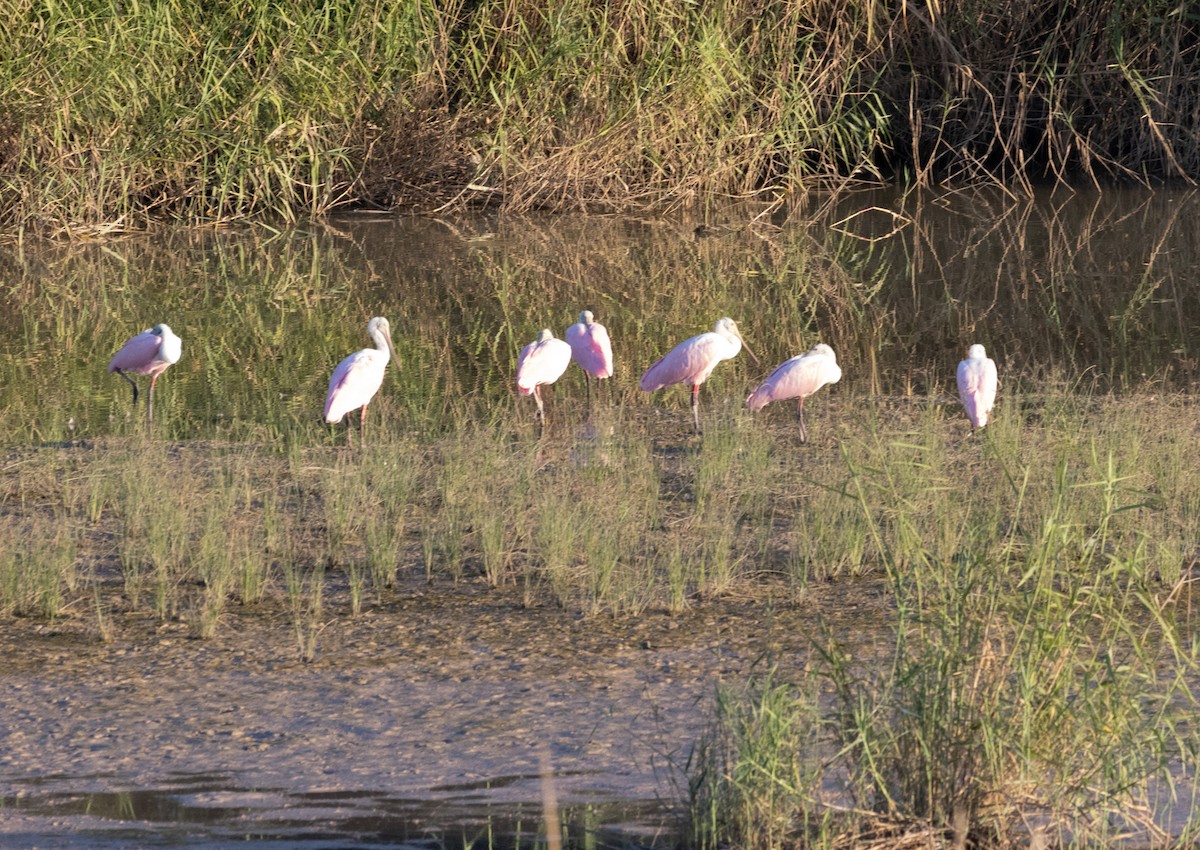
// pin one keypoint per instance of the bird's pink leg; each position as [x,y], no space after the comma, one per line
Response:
[696,407]
[362,427]
[803,429]
[150,400]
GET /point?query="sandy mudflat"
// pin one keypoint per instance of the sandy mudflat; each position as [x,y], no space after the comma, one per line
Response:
[440,695]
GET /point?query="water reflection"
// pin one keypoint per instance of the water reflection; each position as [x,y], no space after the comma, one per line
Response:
[210,811]
[1093,288]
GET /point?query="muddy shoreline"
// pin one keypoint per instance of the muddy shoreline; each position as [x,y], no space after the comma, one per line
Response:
[443,694]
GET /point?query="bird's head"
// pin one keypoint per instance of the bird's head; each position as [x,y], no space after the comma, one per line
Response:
[728,328]
[380,330]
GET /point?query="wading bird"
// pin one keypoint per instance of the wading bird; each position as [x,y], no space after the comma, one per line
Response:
[692,361]
[591,349]
[543,361]
[357,378]
[148,353]
[977,383]
[799,377]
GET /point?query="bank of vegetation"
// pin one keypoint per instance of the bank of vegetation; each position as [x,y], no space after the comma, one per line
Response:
[1026,679]
[116,114]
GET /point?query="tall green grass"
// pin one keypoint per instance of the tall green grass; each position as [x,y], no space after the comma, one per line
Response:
[612,514]
[1036,677]
[117,116]
[1033,664]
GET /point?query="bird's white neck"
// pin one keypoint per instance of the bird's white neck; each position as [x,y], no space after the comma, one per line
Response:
[381,343]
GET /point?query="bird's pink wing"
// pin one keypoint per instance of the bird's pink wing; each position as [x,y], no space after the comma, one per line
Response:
[591,348]
[797,377]
[786,381]
[689,362]
[542,363]
[354,383]
[137,354]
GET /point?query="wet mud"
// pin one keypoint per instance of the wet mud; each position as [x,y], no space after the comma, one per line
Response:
[444,700]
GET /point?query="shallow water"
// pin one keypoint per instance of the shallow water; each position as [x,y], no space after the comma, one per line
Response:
[213,811]
[1095,290]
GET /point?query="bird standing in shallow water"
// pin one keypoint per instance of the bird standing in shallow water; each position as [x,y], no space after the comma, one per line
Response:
[543,361]
[357,378]
[148,353]
[692,361]
[799,377]
[977,382]
[591,349]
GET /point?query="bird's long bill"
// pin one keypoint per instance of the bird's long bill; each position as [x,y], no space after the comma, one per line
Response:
[748,351]
[392,350]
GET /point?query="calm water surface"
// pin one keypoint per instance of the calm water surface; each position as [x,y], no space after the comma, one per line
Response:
[1093,289]
[204,812]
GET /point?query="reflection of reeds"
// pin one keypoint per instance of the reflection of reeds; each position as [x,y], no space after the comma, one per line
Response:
[550,814]
[1092,288]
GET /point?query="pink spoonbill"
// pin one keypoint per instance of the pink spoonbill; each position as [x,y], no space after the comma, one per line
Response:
[799,377]
[977,383]
[591,349]
[357,378]
[692,361]
[543,361]
[148,353]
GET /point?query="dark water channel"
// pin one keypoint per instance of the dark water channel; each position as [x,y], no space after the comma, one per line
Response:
[214,811]
[1092,291]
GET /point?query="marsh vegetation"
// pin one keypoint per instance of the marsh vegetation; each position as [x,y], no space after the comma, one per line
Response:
[1032,664]
[117,117]
[1039,577]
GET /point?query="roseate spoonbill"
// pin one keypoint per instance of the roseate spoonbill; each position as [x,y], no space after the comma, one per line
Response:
[799,377]
[692,361]
[543,361]
[591,349]
[357,378]
[148,353]
[977,383]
